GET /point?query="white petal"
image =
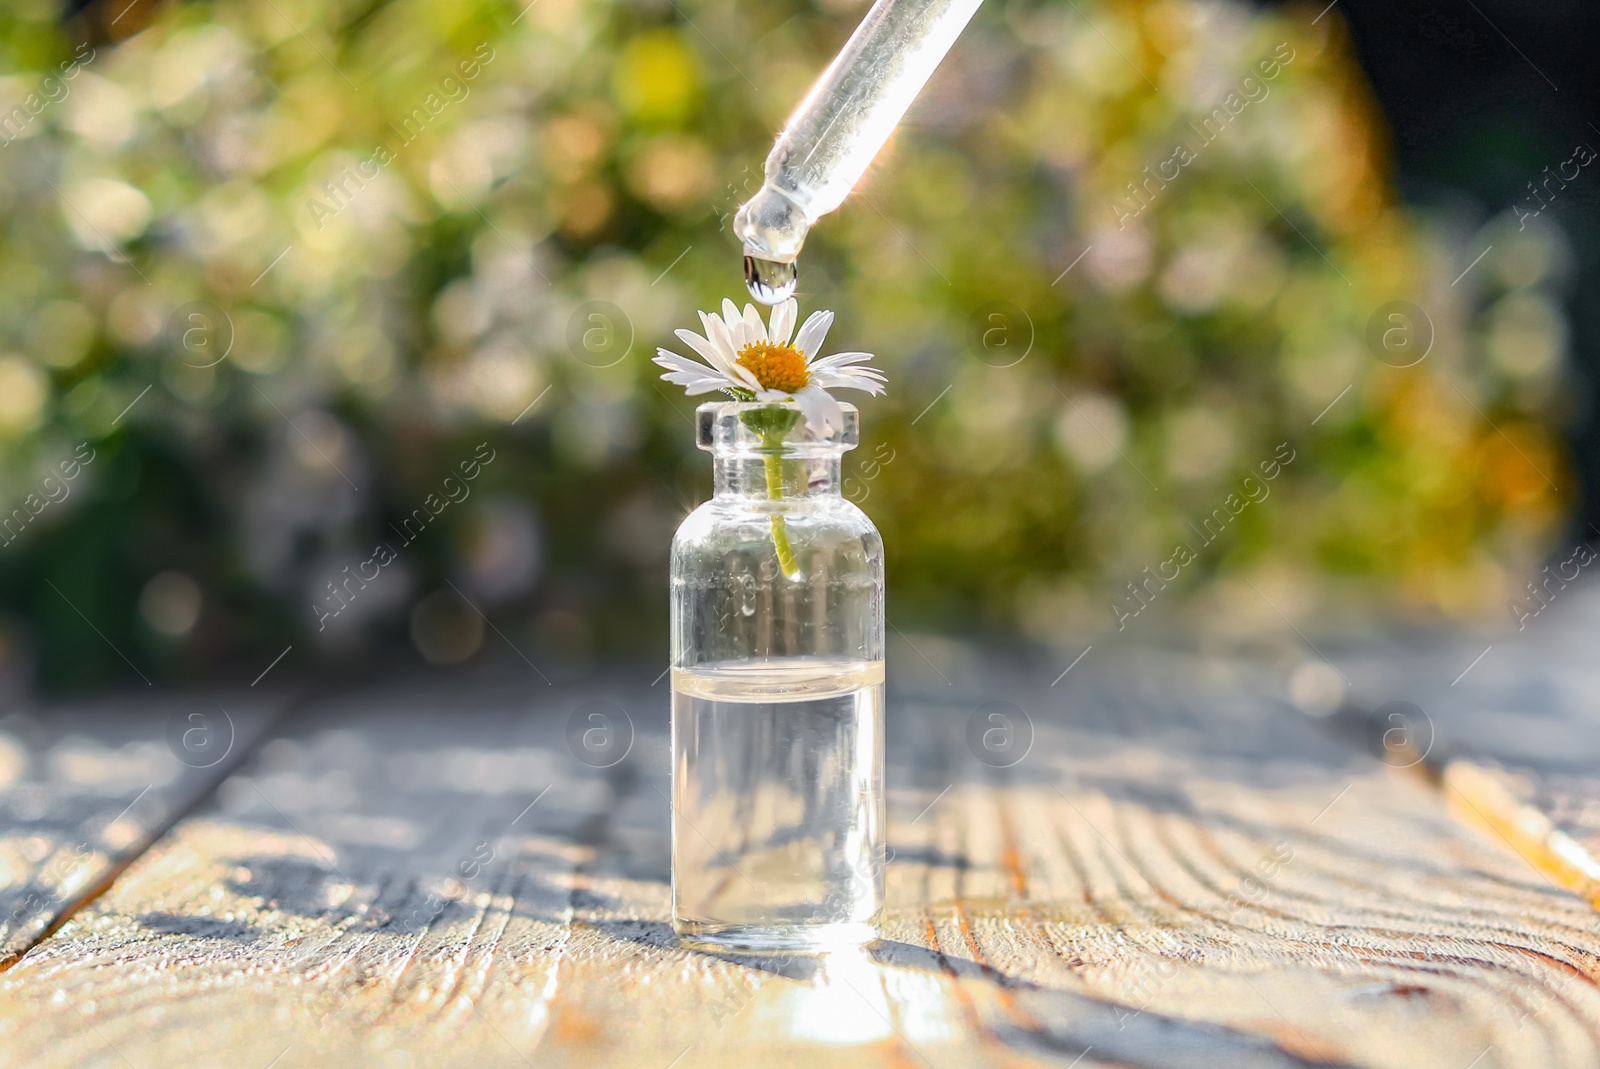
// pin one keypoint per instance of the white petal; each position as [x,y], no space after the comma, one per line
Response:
[835,413]
[668,358]
[712,325]
[685,372]
[843,381]
[773,395]
[735,320]
[678,362]
[810,402]
[809,340]
[781,326]
[716,329]
[747,378]
[822,411]
[694,378]
[871,374]
[716,332]
[707,350]
[840,360]
[695,384]
[700,345]
[754,329]
[699,386]
[848,379]
[723,339]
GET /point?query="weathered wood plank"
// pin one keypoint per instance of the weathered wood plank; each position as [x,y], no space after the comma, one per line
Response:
[299,907]
[1510,726]
[1223,871]
[1181,872]
[86,788]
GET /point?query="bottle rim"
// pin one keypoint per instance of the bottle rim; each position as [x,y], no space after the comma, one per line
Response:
[721,428]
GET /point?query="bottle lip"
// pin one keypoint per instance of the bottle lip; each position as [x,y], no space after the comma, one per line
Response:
[720,427]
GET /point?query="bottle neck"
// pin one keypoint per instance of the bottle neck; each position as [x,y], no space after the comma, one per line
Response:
[791,473]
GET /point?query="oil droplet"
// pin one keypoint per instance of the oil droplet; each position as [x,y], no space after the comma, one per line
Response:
[770,281]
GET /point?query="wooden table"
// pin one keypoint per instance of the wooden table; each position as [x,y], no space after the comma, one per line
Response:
[1184,870]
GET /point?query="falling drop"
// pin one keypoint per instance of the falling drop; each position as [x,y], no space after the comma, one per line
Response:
[770,281]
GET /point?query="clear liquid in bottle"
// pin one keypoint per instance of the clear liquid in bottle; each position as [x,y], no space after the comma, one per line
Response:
[778,825]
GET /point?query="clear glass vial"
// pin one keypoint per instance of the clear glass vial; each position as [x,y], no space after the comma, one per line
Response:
[778,831]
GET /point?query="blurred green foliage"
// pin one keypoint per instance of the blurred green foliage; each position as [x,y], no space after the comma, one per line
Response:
[282,267]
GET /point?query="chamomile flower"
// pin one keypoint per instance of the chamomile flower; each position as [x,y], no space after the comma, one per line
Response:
[756,361]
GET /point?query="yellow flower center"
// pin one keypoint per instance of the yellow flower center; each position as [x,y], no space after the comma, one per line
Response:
[776,367]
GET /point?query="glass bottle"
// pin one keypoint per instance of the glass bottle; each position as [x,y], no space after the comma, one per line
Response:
[777,693]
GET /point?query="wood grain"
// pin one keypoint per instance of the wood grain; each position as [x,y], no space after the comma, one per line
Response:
[1183,871]
[1510,726]
[87,788]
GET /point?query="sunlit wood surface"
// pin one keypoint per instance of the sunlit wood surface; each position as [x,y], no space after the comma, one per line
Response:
[85,789]
[1512,730]
[1185,870]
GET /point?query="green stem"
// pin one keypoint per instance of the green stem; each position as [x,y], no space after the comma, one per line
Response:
[773,463]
